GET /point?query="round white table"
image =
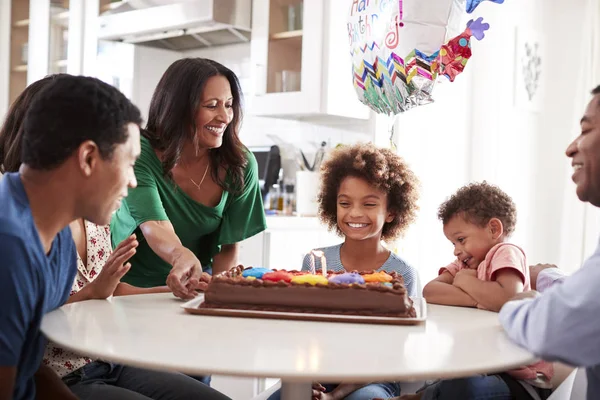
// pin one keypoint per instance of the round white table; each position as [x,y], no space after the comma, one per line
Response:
[153,331]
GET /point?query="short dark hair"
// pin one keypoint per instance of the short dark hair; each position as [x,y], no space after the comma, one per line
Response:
[11,132]
[383,169]
[596,90]
[69,111]
[478,203]
[172,118]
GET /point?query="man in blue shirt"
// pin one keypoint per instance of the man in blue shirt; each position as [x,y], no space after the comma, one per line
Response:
[564,323]
[80,141]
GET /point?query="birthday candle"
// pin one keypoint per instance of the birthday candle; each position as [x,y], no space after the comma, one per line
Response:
[322,261]
[311,262]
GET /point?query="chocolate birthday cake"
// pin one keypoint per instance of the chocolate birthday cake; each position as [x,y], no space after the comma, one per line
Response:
[347,293]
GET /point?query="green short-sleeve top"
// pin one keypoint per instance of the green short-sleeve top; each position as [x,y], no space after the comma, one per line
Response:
[200,228]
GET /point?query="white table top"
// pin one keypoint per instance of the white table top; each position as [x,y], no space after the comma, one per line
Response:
[153,331]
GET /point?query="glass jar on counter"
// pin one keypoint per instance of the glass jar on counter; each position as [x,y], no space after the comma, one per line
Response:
[289,205]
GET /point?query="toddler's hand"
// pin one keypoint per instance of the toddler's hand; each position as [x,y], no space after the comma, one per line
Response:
[462,275]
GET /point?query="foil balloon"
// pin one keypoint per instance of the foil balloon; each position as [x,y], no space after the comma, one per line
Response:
[400,47]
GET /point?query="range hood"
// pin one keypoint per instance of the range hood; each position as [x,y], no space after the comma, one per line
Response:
[178,25]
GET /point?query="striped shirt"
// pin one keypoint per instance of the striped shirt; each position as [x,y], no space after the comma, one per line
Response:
[393,264]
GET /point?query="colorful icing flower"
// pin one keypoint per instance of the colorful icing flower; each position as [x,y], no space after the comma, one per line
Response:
[255,272]
[347,278]
[277,276]
[380,276]
[310,279]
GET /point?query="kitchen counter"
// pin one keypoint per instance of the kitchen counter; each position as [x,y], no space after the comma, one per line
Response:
[289,222]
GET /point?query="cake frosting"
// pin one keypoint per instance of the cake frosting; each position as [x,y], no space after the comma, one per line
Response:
[277,276]
[380,276]
[347,278]
[255,272]
[348,293]
[310,279]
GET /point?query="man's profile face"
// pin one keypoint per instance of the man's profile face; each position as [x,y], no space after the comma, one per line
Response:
[585,154]
[112,177]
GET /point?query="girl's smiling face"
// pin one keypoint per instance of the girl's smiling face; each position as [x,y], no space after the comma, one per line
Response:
[362,209]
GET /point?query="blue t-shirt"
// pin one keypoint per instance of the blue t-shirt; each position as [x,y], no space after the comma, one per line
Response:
[32,283]
[393,264]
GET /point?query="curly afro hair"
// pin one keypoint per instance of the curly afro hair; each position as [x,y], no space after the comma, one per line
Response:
[383,169]
[479,203]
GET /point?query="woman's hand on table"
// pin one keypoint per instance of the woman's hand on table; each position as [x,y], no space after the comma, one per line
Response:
[185,275]
[204,281]
[115,268]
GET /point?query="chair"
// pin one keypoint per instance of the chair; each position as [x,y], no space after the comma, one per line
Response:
[574,387]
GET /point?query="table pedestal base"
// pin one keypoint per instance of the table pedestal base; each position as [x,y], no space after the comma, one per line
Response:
[296,391]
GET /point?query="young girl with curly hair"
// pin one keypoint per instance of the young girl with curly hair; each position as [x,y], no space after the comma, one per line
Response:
[368,194]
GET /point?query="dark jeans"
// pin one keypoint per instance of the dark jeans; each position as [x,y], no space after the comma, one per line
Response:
[480,387]
[100,380]
[382,390]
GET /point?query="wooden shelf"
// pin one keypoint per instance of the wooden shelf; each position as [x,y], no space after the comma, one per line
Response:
[21,23]
[58,17]
[20,68]
[61,16]
[111,6]
[287,35]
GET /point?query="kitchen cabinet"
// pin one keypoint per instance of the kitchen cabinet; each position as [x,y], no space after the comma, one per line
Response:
[38,38]
[41,40]
[301,61]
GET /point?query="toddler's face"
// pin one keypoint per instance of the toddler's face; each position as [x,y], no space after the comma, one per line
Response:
[471,242]
[361,209]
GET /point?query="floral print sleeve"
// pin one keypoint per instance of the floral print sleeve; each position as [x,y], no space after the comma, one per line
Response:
[62,361]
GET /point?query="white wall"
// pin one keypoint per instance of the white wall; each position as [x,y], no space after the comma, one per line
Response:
[521,151]
[436,141]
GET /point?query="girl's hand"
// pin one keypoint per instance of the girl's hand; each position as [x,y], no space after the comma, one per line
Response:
[115,268]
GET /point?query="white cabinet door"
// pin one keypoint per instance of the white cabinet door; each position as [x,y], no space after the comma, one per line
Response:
[302,69]
[251,251]
[287,57]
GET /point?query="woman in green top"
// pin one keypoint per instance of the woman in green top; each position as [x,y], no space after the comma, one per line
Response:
[197,191]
